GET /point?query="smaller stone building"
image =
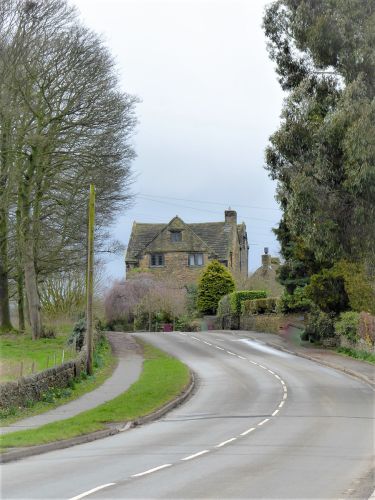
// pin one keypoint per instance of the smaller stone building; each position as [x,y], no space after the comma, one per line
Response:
[178,251]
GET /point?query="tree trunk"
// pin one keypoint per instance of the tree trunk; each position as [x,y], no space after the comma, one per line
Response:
[28,257]
[5,323]
[20,274]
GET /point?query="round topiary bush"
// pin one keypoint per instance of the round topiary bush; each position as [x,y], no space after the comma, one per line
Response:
[215,282]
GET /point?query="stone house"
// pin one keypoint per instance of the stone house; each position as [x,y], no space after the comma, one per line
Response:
[178,251]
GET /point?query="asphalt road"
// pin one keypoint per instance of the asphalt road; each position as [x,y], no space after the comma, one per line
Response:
[261,424]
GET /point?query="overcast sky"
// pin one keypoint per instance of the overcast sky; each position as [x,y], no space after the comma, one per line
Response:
[210,100]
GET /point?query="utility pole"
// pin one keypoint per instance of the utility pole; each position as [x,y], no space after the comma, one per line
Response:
[90,281]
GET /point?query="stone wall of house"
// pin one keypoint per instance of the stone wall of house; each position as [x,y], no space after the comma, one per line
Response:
[21,392]
[176,268]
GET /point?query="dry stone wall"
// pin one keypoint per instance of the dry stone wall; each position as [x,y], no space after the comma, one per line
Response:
[30,389]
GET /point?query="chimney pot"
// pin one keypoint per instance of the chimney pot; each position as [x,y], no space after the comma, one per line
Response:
[230,216]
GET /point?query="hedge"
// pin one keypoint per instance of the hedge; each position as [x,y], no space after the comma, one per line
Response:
[259,306]
[232,302]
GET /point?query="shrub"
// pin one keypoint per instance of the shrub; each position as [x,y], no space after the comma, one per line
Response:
[360,290]
[259,306]
[327,291]
[236,298]
[347,325]
[77,336]
[215,282]
[294,302]
[320,325]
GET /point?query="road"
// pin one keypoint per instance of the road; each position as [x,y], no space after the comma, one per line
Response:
[261,424]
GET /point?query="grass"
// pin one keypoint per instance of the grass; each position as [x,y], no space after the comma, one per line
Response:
[17,348]
[353,353]
[163,377]
[104,363]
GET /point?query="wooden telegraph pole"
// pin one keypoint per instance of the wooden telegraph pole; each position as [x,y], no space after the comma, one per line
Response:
[90,281]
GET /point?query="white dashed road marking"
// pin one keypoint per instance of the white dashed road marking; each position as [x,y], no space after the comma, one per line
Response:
[86,493]
[248,431]
[263,421]
[225,442]
[195,455]
[149,471]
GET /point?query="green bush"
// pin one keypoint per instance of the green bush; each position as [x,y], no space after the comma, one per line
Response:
[347,325]
[215,282]
[77,336]
[327,291]
[259,306]
[358,286]
[294,302]
[320,325]
[232,303]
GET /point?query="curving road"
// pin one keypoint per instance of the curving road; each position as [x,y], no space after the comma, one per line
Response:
[261,424]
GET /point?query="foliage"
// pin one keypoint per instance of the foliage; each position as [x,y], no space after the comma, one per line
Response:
[366,328]
[191,298]
[323,155]
[358,286]
[327,291]
[319,325]
[162,379]
[236,298]
[294,302]
[215,282]
[77,338]
[347,325]
[259,306]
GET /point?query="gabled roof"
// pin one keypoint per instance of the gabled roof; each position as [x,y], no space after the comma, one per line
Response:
[214,237]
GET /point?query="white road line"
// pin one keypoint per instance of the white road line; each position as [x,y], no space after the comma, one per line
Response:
[86,493]
[285,395]
[277,377]
[220,348]
[263,421]
[184,334]
[253,362]
[241,357]
[273,373]
[275,412]
[206,343]
[232,353]
[225,442]
[261,366]
[151,470]
[195,338]
[248,431]
[285,389]
[281,404]
[195,455]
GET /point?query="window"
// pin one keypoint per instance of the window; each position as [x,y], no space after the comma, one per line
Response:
[196,259]
[157,260]
[176,236]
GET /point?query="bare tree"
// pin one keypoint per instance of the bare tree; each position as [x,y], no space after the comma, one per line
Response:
[73,129]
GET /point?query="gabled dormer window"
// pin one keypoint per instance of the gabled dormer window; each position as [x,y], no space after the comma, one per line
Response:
[157,260]
[176,236]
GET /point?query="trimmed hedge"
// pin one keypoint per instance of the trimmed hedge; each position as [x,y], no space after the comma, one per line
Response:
[232,302]
[259,306]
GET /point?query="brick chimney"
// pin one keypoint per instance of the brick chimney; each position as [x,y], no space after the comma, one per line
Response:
[266,259]
[230,216]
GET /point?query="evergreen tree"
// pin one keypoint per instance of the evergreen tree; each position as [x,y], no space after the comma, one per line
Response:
[215,282]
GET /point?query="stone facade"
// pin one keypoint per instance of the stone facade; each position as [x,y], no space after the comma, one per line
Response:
[178,252]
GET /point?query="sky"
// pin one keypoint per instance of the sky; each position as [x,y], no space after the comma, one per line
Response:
[209,100]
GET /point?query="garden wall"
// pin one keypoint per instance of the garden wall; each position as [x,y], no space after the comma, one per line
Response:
[30,389]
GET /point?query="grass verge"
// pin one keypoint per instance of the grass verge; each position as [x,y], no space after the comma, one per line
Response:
[353,353]
[104,363]
[163,378]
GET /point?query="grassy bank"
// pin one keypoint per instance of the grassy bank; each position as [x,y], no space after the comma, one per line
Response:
[104,363]
[353,353]
[33,354]
[163,377]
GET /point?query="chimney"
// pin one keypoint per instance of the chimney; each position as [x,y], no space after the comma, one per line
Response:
[230,216]
[266,259]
